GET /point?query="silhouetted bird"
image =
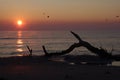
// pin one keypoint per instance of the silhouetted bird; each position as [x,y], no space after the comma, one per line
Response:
[117,16]
[48,16]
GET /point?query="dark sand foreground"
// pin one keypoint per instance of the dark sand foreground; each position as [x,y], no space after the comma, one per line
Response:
[40,68]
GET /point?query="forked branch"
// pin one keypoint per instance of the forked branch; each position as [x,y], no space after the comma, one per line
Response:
[98,51]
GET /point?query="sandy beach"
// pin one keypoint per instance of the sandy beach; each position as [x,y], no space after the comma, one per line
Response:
[40,68]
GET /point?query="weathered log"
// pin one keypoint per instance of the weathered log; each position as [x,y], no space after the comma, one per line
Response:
[62,52]
[98,51]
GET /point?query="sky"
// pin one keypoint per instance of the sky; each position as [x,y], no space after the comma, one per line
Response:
[51,14]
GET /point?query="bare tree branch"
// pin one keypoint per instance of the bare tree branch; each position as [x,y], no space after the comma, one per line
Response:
[30,50]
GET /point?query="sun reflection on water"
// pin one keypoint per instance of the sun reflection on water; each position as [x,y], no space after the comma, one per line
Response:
[19,34]
[19,50]
[19,42]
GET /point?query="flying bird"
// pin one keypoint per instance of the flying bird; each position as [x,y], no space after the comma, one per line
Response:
[117,16]
[48,16]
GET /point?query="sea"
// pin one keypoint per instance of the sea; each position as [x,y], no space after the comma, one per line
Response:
[14,43]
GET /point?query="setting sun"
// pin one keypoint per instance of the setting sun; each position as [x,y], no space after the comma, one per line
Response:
[19,22]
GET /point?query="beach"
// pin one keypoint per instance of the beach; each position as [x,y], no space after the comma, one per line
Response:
[79,64]
[41,68]
[59,39]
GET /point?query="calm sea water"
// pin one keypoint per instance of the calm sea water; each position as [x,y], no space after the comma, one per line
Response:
[13,43]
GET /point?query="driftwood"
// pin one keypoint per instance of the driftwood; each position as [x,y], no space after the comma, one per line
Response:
[98,51]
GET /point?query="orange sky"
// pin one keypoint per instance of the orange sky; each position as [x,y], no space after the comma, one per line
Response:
[59,11]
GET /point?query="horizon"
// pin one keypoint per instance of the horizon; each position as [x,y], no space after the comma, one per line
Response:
[59,14]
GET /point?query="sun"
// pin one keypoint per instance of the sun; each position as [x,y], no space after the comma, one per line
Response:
[19,22]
